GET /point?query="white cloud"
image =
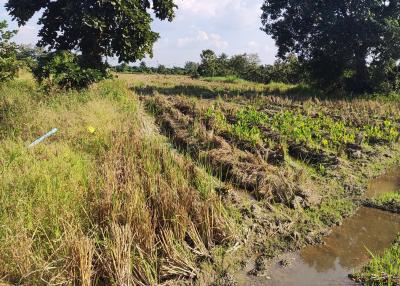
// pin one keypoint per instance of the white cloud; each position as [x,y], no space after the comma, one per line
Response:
[246,9]
[203,37]
[253,45]
[208,7]
[27,34]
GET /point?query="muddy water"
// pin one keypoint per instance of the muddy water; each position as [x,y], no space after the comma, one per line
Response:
[386,183]
[343,251]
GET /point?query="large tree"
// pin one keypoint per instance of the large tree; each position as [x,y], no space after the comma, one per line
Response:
[350,41]
[96,28]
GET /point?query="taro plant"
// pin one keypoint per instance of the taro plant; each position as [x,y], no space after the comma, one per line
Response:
[247,133]
[217,116]
[386,131]
[250,116]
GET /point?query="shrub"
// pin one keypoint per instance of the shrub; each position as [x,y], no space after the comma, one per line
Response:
[9,65]
[62,69]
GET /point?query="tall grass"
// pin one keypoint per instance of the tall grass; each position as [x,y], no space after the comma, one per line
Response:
[113,206]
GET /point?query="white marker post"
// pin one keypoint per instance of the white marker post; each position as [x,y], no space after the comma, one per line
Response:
[44,137]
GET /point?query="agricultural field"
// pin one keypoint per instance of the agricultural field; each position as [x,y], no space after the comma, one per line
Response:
[168,180]
[292,165]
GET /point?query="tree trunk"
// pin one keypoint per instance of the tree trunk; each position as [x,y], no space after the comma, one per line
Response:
[361,78]
[91,52]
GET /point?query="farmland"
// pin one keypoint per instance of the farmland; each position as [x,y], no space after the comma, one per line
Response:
[292,165]
[166,179]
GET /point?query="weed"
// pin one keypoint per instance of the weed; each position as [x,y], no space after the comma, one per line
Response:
[382,270]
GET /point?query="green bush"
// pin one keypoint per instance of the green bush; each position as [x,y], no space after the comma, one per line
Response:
[62,69]
[9,65]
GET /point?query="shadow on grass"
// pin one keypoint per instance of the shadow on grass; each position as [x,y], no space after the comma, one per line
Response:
[299,93]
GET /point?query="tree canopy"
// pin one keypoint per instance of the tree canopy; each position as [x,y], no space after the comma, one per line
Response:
[356,43]
[96,28]
[9,64]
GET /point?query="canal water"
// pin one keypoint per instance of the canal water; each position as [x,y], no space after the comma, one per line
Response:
[345,250]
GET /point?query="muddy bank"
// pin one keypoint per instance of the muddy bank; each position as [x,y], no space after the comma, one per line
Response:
[341,253]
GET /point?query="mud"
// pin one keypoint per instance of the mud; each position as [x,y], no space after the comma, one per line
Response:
[341,253]
[312,156]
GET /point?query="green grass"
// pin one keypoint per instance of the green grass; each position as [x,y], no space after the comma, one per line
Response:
[391,197]
[382,270]
[389,201]
[226,79]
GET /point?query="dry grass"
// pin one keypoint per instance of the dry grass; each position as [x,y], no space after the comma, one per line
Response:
[116,206]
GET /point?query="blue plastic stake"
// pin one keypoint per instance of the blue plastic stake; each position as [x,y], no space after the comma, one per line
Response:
[41,139]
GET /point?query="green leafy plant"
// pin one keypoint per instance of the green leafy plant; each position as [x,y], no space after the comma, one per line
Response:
[62,69]
[386,131]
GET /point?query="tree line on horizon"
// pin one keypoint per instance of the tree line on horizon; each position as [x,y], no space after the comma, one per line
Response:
[244,66]
[346,45]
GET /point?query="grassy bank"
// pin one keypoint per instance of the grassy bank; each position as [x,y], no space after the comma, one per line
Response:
[104,201]
[389,202]
[383,269]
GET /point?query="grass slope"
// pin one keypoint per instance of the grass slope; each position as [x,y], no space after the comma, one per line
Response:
[113,206]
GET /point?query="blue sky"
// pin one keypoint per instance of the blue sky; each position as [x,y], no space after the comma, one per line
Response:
[230,26]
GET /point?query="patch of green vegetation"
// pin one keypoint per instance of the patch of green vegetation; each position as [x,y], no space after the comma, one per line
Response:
[391,197]
[388,201]
[382,270]
[243,130]
[226,79]
[386,131]
[331,211]
[319,131]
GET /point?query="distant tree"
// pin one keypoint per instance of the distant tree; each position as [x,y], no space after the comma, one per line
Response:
[29,51]
[208,65]
[339,41]
[177,70]
[29,55]
[96,28]
[143,67]
[191,68]
[9,65]
[244,65]
[161,69]
[223,65]
[124,67]
[287,70]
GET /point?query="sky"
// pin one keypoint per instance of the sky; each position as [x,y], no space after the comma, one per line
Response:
[229,26]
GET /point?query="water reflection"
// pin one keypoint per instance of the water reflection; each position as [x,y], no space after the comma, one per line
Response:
[384,184]
[347,246]
[345,249]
